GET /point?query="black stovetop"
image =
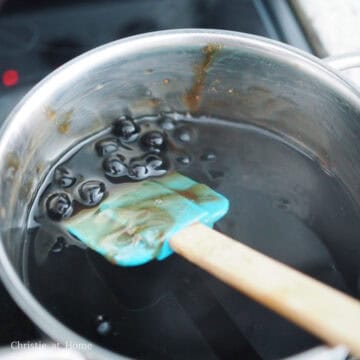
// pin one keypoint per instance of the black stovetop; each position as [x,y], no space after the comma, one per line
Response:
[36,36]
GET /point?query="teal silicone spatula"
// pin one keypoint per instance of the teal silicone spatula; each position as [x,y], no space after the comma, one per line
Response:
[151,219]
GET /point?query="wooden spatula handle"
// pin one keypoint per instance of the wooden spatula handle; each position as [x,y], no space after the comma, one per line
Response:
[314,306]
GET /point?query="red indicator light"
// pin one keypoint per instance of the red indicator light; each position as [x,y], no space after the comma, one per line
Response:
[10,77]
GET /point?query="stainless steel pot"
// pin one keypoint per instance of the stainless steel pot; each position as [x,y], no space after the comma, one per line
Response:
[217,73]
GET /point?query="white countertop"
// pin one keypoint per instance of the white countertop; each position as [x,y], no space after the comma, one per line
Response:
[332,27]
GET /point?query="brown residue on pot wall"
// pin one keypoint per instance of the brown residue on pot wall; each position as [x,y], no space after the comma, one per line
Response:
[12,164]
[50,113]
[64,122]
[154,102]
[27,188]
[146,104]
[39,169]
[192,97]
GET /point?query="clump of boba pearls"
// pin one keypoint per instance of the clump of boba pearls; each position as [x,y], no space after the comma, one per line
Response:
[116,165]
[125,134]
[130,150]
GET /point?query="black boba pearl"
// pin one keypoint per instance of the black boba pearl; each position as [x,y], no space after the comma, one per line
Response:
[64,177]
[154,162]
[104,328]
[184,160]
[59,245]
[138,172]
[153,141]
[126,129]
[155,165]
[106,147]
[114,166]
[184,134]
[92,192]
[59,206]
[103,325]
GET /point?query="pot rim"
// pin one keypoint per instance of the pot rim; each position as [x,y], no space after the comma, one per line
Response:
[21,295]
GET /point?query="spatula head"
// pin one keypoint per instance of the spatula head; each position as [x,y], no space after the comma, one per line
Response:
[133,225]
